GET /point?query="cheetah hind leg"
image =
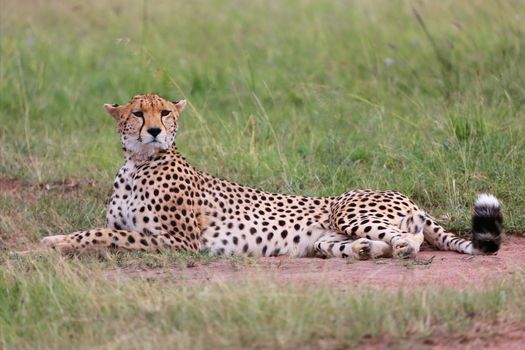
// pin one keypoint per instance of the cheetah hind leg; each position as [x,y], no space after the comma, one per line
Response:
[340,246]
[374,249]
[409,242]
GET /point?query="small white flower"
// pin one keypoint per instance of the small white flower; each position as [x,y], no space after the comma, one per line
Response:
[30,41]
[389,61]
[414,43]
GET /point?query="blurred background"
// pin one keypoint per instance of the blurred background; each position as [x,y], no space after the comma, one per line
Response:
[301,96]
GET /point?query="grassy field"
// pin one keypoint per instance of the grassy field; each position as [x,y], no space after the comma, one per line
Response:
[302,96]
[51,303]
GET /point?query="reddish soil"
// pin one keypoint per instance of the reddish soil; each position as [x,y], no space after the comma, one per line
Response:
[25,194]
[431,268]
[15,188]
[482,336]
[28,193]
[444,269]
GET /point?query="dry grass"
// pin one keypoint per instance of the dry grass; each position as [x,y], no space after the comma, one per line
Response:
[49,302]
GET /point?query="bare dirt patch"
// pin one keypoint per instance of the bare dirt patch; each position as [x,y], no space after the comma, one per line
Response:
[72,184]
[17,198]
[28,193]
[17,189]
[482,336]
[431,268]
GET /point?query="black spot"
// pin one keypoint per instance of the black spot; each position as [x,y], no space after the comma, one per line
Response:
[131,239]
[296,239]
[381,235]
[143,242]
[284,234]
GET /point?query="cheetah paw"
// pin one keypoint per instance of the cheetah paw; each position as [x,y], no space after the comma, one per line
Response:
[51,241]
[362,249]
[58,243]
[403,249]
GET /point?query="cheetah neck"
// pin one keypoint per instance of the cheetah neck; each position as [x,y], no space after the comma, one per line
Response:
[142,154]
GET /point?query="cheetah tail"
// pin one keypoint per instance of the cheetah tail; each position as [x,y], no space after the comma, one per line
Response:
[487,223]
[486,230]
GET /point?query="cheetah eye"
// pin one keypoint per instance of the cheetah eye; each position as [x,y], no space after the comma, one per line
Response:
[165,112]
[138,114]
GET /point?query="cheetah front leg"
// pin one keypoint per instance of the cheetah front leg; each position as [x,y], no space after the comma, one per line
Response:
[110,239]
[338,245]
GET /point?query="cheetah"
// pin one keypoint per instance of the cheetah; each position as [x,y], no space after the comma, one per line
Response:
[160,202]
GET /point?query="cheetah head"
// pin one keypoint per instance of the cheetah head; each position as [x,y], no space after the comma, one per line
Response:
[147,123]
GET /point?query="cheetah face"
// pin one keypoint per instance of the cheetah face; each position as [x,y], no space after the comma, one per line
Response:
[147,123]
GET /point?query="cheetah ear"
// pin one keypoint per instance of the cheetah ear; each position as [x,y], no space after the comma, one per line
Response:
[112,109]
[179,105]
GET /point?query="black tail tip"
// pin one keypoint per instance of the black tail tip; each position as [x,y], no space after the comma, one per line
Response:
[486,243]
[487,224]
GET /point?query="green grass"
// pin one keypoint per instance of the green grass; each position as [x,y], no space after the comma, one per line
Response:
[46,302]
[301,96]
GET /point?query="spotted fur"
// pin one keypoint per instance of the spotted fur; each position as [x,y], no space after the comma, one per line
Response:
[161,202]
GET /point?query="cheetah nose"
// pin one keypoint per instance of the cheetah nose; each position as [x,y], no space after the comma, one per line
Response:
[154,131]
